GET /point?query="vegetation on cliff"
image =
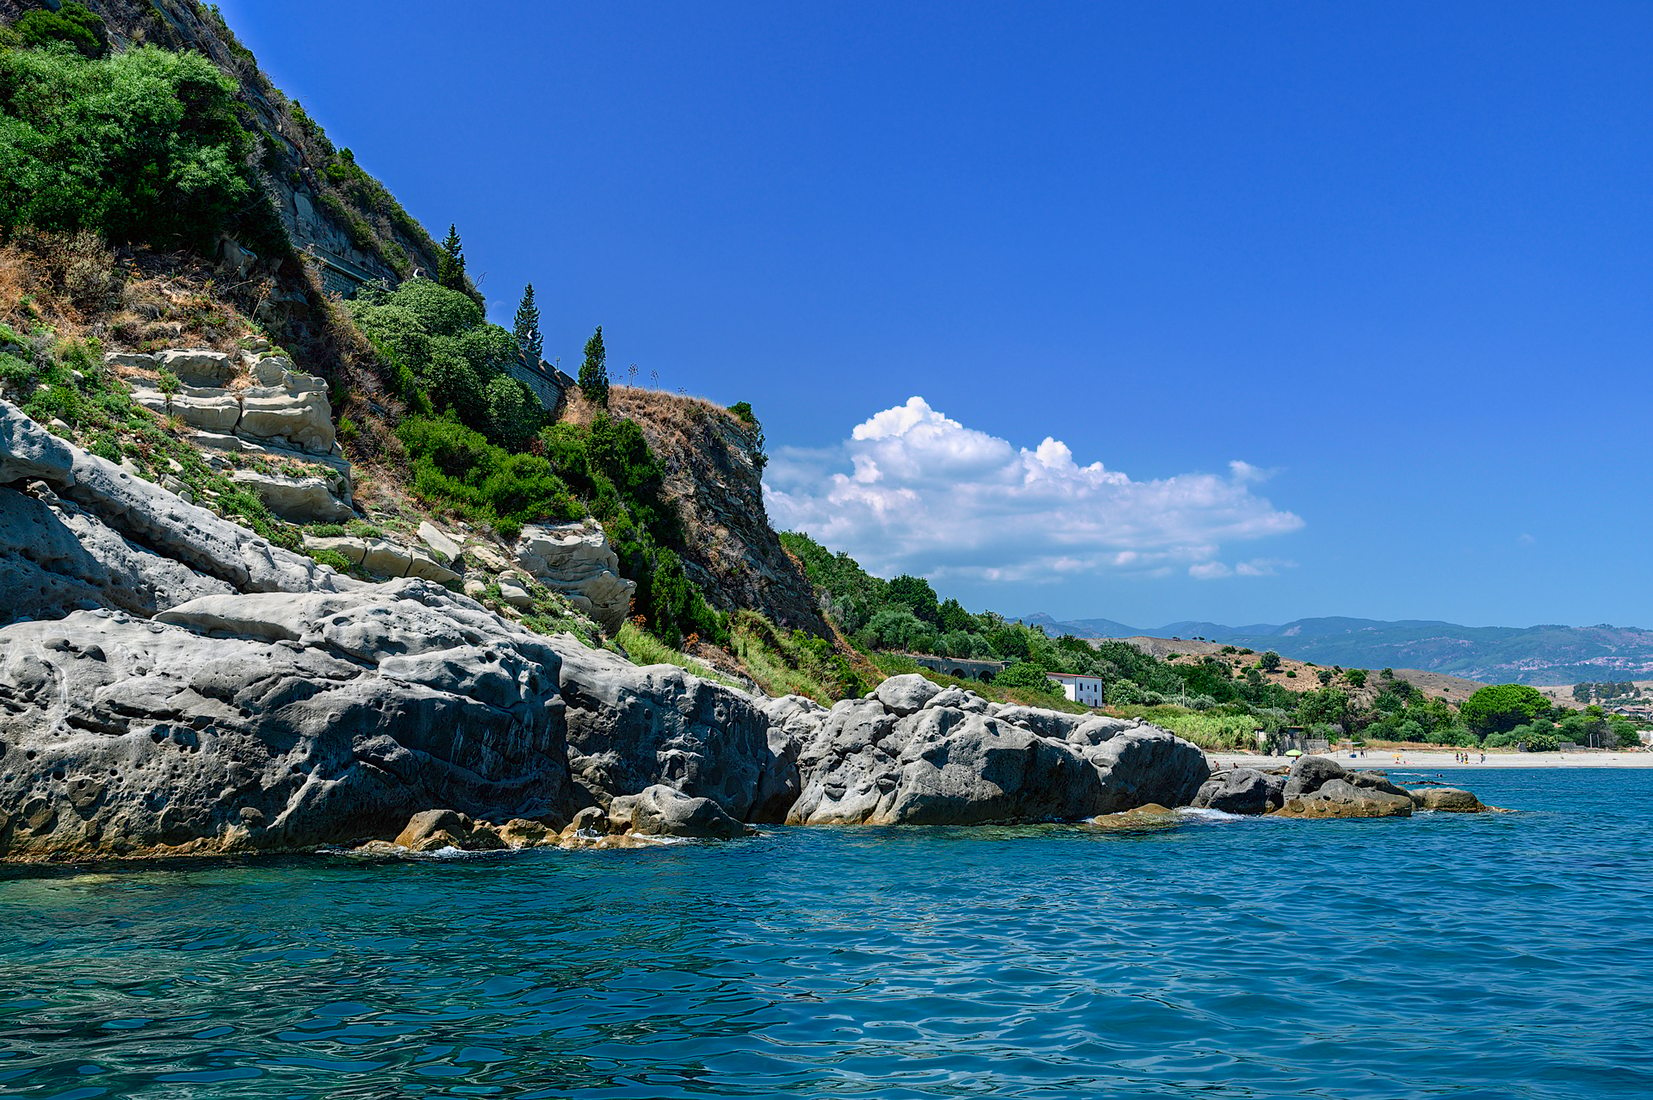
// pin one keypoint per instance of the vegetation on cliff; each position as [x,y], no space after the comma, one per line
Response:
[1220,700]
[142,146]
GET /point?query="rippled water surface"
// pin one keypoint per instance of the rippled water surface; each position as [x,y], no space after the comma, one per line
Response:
[1491,956]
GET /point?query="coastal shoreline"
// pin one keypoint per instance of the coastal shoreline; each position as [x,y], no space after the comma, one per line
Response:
[1443,758]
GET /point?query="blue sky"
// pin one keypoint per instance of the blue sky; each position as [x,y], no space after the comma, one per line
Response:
[1323,308]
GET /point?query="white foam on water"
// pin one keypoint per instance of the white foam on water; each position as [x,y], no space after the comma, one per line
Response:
[1211,815]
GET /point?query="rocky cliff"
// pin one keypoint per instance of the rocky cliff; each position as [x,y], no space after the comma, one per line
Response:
[714,479]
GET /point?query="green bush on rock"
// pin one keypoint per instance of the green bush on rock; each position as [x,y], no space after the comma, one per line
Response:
[141,146]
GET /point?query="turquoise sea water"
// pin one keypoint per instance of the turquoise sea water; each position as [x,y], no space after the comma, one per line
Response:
[1491,956]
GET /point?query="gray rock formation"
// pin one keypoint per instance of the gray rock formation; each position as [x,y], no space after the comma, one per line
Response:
[296,499]
[1451,800]
[442,545]
[227,695]
[209,409]
[1321,787]
[863,762]
[666,811]
[630,728]
[576,560]
[1242,791]
[198,366]
[55,557]
[1148,765]
[904,695]
[295,412]
[1341,798]
[272,721]
[384,558]
[284,408]
[125,527]
[1309,772]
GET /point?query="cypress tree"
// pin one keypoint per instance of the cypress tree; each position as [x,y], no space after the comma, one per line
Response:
[528,327]
[594,371]
[450,262]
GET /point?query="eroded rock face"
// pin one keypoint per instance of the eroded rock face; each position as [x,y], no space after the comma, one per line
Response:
[272,721]
[384,558]
[904,695]
[55,557]
[295,411]
[284,407]
[576,560]
[198,366]
[863,762]
[124,525]
[630,728]
[297,499]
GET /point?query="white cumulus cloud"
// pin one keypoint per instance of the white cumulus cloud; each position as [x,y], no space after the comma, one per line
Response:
[913,490]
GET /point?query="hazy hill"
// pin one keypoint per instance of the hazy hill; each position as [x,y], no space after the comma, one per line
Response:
[1546,654]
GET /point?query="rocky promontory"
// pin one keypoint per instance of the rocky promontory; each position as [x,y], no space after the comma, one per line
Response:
[172,683]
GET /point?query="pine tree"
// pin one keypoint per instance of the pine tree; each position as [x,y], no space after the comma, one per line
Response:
[450,262]
[594,371]
[528,327]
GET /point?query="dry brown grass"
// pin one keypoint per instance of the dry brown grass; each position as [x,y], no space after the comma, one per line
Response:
[68,282]
[675,423]
[132,299]
[660,405]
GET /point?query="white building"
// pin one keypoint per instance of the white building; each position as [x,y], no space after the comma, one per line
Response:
[1084,690]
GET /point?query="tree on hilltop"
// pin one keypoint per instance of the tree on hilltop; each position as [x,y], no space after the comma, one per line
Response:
[527,327]
[450,262]
[594,371]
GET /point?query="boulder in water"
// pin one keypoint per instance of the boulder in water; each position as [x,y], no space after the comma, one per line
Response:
[1451,800]
[665,811]
[1241,791]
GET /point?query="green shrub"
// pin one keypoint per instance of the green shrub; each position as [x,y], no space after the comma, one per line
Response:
[142,146]
[1028,677]
[332,558]
[18,377]
[442,312]
[71,24]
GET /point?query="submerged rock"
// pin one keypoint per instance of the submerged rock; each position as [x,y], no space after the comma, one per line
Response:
[1149,816]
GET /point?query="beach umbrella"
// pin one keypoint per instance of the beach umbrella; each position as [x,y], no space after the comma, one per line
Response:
[1294,752]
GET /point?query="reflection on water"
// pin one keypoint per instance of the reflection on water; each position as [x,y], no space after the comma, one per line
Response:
[1490,956]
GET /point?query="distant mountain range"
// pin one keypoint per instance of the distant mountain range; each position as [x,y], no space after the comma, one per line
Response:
[1493,654]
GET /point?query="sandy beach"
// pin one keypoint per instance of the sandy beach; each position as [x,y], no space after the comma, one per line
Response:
[1443,758]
